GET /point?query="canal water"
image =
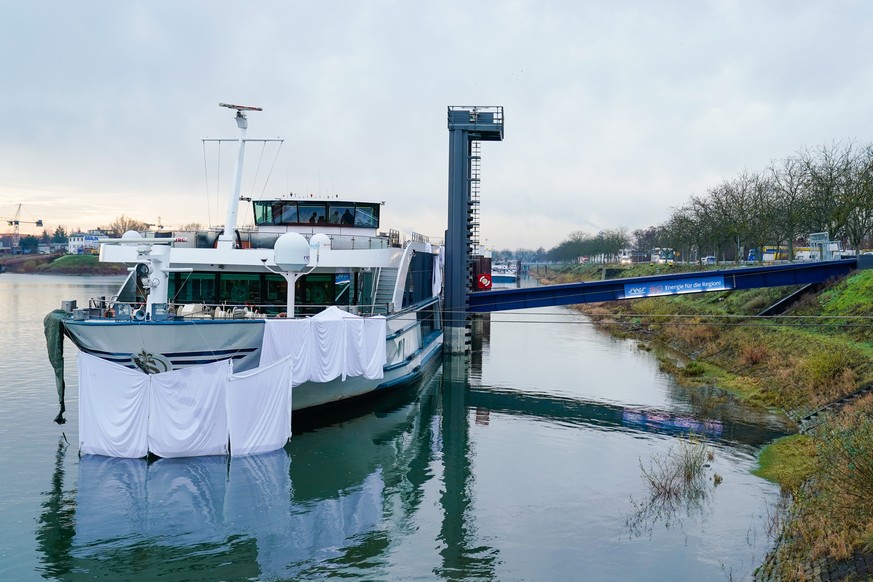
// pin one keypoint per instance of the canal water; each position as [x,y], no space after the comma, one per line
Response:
[523,461]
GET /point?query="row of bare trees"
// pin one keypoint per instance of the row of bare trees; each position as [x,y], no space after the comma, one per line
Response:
[124,223]
[824,189]
[605,243]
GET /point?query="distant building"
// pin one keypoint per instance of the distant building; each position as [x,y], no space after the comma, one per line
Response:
[80,243]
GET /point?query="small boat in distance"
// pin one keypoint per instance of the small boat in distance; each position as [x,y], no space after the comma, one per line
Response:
[504,275]
[197,297]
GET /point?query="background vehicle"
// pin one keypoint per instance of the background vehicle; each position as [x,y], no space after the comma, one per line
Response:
[662,256]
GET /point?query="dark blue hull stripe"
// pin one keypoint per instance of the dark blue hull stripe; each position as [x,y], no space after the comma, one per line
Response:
[171,355]
[415,374]
[126,359]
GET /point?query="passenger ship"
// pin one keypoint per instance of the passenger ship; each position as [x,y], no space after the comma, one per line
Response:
[198,297]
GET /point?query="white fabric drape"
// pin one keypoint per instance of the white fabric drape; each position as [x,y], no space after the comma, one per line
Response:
[188,412]
[332,344]
[328,357]
[356,360]
[259,409]
[113,409]
[288,337]
[375,332]
[191,412]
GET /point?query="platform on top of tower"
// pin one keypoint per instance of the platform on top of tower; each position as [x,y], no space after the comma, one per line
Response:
[484,123]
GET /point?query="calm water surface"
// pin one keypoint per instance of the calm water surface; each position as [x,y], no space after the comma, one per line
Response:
[520,462]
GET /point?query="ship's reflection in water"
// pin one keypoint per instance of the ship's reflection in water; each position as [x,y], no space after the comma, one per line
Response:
[339,499]
[245,509]
[285,514]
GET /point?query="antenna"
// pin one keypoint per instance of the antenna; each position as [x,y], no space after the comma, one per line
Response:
[240,107]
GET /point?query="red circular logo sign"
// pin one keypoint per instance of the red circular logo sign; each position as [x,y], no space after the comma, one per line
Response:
[484,281]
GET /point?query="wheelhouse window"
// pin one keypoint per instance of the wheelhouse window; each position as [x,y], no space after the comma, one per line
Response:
[346,214]
[264,212]
[310,213]
[342,214]
[289,214]
[367,215]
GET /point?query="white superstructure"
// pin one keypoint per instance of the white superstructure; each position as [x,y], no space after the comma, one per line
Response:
[197,297]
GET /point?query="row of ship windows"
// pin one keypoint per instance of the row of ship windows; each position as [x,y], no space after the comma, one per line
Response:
[364,215]
[259,290]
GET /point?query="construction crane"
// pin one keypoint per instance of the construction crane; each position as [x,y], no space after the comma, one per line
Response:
[15,223]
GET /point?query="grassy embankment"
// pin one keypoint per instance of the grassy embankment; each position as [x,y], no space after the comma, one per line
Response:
[60,265]
[816,353]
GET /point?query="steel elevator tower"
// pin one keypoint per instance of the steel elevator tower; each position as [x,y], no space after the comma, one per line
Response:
[467,127]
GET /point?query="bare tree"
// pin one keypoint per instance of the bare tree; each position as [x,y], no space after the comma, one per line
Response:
[711,235]
[790,185]
[828,198]
[682,232]
[645,239]
[612,240]
[764,223]
[122,224]
[859,219]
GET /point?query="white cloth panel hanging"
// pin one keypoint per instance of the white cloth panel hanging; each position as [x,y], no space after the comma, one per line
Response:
[365,347]
[328,355]
[113,409]
[332,344]
[183,413]
[188,411]
[259,408]
[356,360]
[284,337]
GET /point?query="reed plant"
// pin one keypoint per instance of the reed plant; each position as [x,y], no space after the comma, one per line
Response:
[677,486]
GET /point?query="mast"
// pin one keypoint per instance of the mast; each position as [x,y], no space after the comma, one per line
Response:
[227,240]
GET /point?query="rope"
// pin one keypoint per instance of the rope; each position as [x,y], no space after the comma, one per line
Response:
[258,168]
[272,166]
[206,177]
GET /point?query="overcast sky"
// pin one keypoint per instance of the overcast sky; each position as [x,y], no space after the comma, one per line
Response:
[615,112]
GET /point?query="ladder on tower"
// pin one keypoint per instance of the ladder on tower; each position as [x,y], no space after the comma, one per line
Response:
[475,180]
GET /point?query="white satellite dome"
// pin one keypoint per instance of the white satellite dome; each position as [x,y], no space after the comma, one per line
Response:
[291,252]
[320,241]
[131,234]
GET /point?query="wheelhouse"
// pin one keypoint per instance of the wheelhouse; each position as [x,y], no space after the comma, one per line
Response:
[306,212]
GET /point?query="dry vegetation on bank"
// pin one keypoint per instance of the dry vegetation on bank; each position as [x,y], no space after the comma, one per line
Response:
[817,353]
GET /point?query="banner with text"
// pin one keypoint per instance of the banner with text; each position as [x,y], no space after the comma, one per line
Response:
[675,287]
